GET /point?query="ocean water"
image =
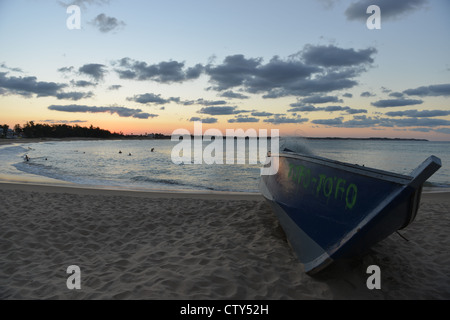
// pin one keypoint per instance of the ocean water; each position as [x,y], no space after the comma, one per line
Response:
[99,163]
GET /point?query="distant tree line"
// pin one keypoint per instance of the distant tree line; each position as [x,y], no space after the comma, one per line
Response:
[38,130]
[3,130]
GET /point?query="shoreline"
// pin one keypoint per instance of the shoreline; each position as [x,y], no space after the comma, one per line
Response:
[42,181]
[33,181]
[139,193]
[57,186]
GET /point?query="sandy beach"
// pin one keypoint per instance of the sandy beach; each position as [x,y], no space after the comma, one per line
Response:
[159,245]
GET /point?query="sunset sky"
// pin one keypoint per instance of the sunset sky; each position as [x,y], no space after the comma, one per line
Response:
[310,68]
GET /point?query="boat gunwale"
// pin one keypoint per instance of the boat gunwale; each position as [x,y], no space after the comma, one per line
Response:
[353,168]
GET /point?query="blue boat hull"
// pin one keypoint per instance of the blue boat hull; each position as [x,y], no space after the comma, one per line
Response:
[331,210]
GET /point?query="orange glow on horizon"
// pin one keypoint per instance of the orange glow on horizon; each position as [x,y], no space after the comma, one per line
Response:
[130,126]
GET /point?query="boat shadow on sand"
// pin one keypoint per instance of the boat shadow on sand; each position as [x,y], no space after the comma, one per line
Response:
[407,270]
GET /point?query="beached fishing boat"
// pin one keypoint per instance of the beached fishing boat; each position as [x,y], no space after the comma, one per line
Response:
[331,210]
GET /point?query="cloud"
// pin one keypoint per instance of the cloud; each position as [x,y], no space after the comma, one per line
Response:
[355,111]
[106,24]
[4,66]
[421,129]
[152,98]
[204,102]
[74,95]
[203,120]
[114,87]
[328,122]
[65,69]
[419,114]
[279,119]
[335,108]
[261,114]
[347,95]
[278,73]
[332,56]
[315,70]
[164,72]
[357,122]
[27,86]
[255,76]
[367,94]
[298,107]
[225,110]
[63,121]
[303,108]
[395,103]
[194,72]
[420,122]
[234,71]
[320,99]
[94,70]
[433,90]
[365,122]
[389,9]
[396,94]
[157,99]
[320,83]
[233,95]
[443,130]
[120,111]
[83,83]
[243,119]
